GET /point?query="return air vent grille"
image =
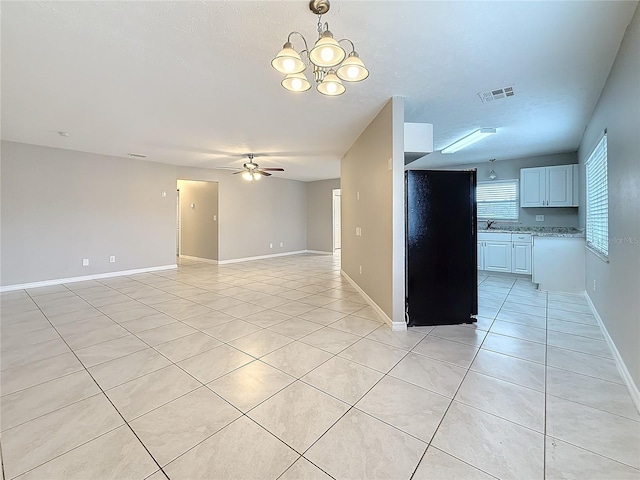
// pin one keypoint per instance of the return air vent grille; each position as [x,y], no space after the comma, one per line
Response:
[496,94]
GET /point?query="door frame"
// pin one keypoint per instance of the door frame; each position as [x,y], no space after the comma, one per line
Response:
[335,194]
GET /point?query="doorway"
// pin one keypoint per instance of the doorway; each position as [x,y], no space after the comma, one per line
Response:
[197,214]
[337,229]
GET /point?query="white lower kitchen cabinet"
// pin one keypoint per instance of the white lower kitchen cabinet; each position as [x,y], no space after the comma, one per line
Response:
[497,256]
[480,256]
[558,263]
[521,258]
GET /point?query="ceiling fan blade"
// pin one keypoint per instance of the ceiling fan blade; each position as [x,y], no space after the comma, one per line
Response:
[236,173]
[273,169]
[261,172]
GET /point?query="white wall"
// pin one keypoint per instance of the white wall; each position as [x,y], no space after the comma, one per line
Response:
[510,169]
[252,215]
[617,298]
[320,214]
[60,206]
[372,199]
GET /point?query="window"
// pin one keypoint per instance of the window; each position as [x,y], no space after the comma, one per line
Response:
[598,200]
[498,200]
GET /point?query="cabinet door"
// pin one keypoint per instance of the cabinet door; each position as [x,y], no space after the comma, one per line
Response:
[521,258]
[532,187]
[560,186]
[480,256]
[497,256]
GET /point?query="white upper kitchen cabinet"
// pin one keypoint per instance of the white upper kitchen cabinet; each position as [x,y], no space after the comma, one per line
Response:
[549,186]
[533,191]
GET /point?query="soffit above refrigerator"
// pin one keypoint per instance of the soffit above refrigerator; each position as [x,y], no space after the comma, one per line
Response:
[418,141]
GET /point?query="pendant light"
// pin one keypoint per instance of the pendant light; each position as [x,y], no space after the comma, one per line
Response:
[328,60]
[352,69]
[331,85]
[296,82]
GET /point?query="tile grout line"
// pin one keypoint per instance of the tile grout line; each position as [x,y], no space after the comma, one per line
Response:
[105,396]
[546,363]
[468,369]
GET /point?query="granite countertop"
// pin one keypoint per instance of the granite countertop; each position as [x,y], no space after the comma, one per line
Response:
[538,231]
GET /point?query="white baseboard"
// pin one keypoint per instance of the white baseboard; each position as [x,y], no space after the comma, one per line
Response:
[98,276]
[319,252]
[622,368]
[395,326]
[200,259]
[260,257]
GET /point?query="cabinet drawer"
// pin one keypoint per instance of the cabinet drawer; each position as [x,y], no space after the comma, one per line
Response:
[494,237]
[521,237]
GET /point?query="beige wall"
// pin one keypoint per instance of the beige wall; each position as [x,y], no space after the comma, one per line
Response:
[367,186]
[252,215]
[320,214]
[617,298]
[60,206]
[198,219]
[510,169]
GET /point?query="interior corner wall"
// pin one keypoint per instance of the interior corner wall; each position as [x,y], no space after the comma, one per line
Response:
[320,214]
[61,206]
[367,191]
[198,219]
[616,297]
[510,169]
[253,215]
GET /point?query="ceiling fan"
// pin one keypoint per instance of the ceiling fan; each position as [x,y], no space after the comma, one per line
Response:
[252,171]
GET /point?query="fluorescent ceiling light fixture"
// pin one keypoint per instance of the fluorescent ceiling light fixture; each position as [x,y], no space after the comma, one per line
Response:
[469,140]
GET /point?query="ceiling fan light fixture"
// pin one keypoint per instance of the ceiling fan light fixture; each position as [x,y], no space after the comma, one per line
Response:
[331,85]
[327,52]
[287,60]
[296,82]
[248,176]
[352,69]
[470,139]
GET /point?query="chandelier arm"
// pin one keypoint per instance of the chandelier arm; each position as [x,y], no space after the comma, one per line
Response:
[304,40]
[353,47]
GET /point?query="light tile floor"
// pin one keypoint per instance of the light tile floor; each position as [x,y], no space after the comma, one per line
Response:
[278,369]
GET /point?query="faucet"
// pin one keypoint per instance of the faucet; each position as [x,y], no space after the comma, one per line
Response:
[490,224]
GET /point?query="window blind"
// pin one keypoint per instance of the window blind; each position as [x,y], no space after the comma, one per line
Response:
[598,199]
[498,200]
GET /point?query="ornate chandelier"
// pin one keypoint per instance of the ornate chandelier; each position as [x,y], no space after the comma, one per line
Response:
[327,60]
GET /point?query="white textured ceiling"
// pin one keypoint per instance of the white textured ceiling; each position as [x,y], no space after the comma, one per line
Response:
[190,83]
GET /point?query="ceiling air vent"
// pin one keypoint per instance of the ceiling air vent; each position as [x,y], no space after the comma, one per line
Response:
[137,155]
[496,94]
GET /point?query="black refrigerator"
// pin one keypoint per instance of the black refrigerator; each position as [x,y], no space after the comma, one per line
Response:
[441,247]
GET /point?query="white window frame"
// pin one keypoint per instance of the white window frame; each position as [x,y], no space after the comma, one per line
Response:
[516,201]
[597,197]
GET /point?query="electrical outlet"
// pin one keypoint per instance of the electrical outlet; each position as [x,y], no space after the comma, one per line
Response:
[271,245]
[360,269]
[595,285]
[112,259]
[163,194]
[85,262]
[282,244]
[539,218]
[357,195]
[215,218]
